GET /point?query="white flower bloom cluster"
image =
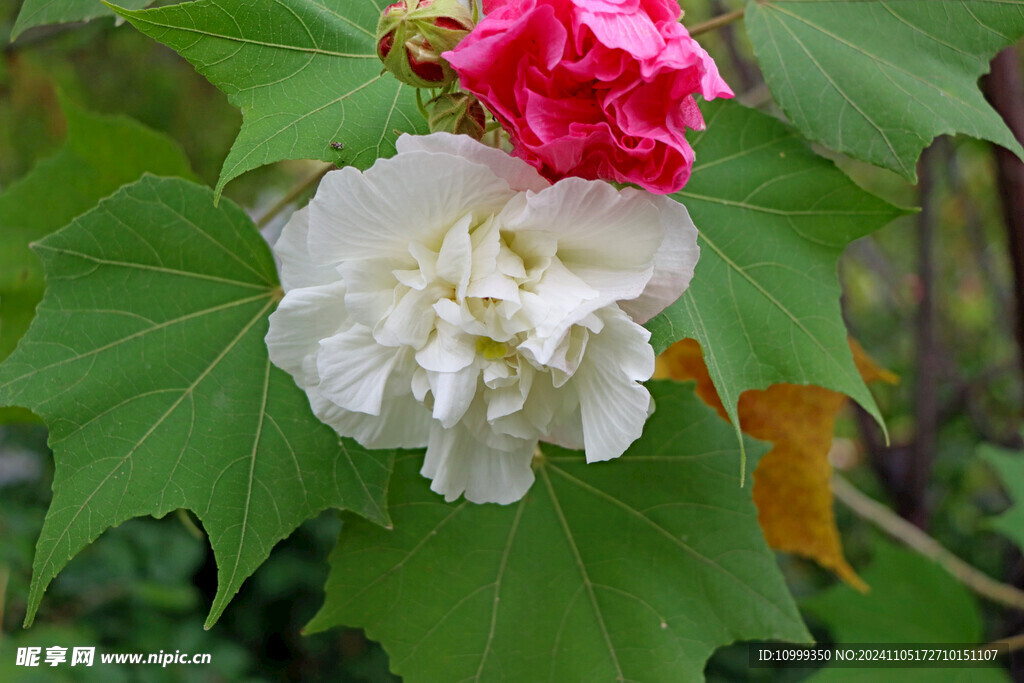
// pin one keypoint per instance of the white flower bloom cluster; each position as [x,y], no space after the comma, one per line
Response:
[451,297]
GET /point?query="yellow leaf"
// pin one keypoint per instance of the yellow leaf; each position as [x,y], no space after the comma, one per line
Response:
[791,483]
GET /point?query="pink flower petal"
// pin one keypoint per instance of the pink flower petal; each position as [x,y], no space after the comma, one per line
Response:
[600,89]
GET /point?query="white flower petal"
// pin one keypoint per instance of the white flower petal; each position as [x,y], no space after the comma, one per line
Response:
[543,407]
[613,405]
[495,439]
[487,280]
[292,251]
[302,319]
[567,434]
[354,369]
[607,238]
[504,401]
[514,426]
[455,260]
[674,263]
[486,241]
[426,259]
[569,352]
[498,374]
[517,173]
[369,288]
[559,301]
[411,320]
[412,197]
[548,404]
[453,393]
[402,423]
[449,311]
[447,349]
[420,384]
[495,286]
[529,253]
[460,464]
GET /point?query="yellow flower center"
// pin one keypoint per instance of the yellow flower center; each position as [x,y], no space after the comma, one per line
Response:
[490,349]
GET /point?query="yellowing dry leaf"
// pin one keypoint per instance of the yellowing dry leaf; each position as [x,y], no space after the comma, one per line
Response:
[791,483]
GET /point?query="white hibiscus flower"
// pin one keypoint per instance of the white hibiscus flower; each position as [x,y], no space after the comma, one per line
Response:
[451,297]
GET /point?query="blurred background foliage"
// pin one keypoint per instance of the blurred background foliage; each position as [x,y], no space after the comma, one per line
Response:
[146,585]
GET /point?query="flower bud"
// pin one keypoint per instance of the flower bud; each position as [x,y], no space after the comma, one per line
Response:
[458,113]
[412,34]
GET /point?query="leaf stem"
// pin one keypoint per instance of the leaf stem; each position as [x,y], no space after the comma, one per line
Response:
[293,194]
[190,526]
[902,530]
[1013,643]
[5,574]
[717,22]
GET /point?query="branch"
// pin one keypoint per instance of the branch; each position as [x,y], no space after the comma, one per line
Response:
[293,194]
[913,504]
[1005,88]
[191,527]
[717,22]
[1012,643]
[904,531]
[749,75]
[5,574]
[981,245]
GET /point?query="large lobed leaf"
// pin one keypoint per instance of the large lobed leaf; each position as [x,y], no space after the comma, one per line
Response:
[100,154]
[879,79]
[634,569]
[41,12]
[147,361]
[304,73]
[773,219]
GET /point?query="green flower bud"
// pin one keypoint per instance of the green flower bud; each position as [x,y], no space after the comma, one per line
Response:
[458,113]
[412,34]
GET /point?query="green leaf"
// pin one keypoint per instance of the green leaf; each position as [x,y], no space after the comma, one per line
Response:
[773,219]
[42,12]
[1009,465]
[304,73]
[879,80]
[634,569]
[147,362]
[912,600]
[100,154]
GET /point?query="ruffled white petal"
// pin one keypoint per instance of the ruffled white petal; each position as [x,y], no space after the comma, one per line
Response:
[613,405]
[369,288]
[302,319]
[607,238]
[674,263]
[455,260]
[292,251]
[447,349]
[460,464]
[568,434]
[402,423]
[517,173]
[414,197]
[453,393]
[559,301]
[354,369]
[411,319]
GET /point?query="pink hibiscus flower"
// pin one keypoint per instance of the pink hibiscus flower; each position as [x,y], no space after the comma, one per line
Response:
[600,89]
